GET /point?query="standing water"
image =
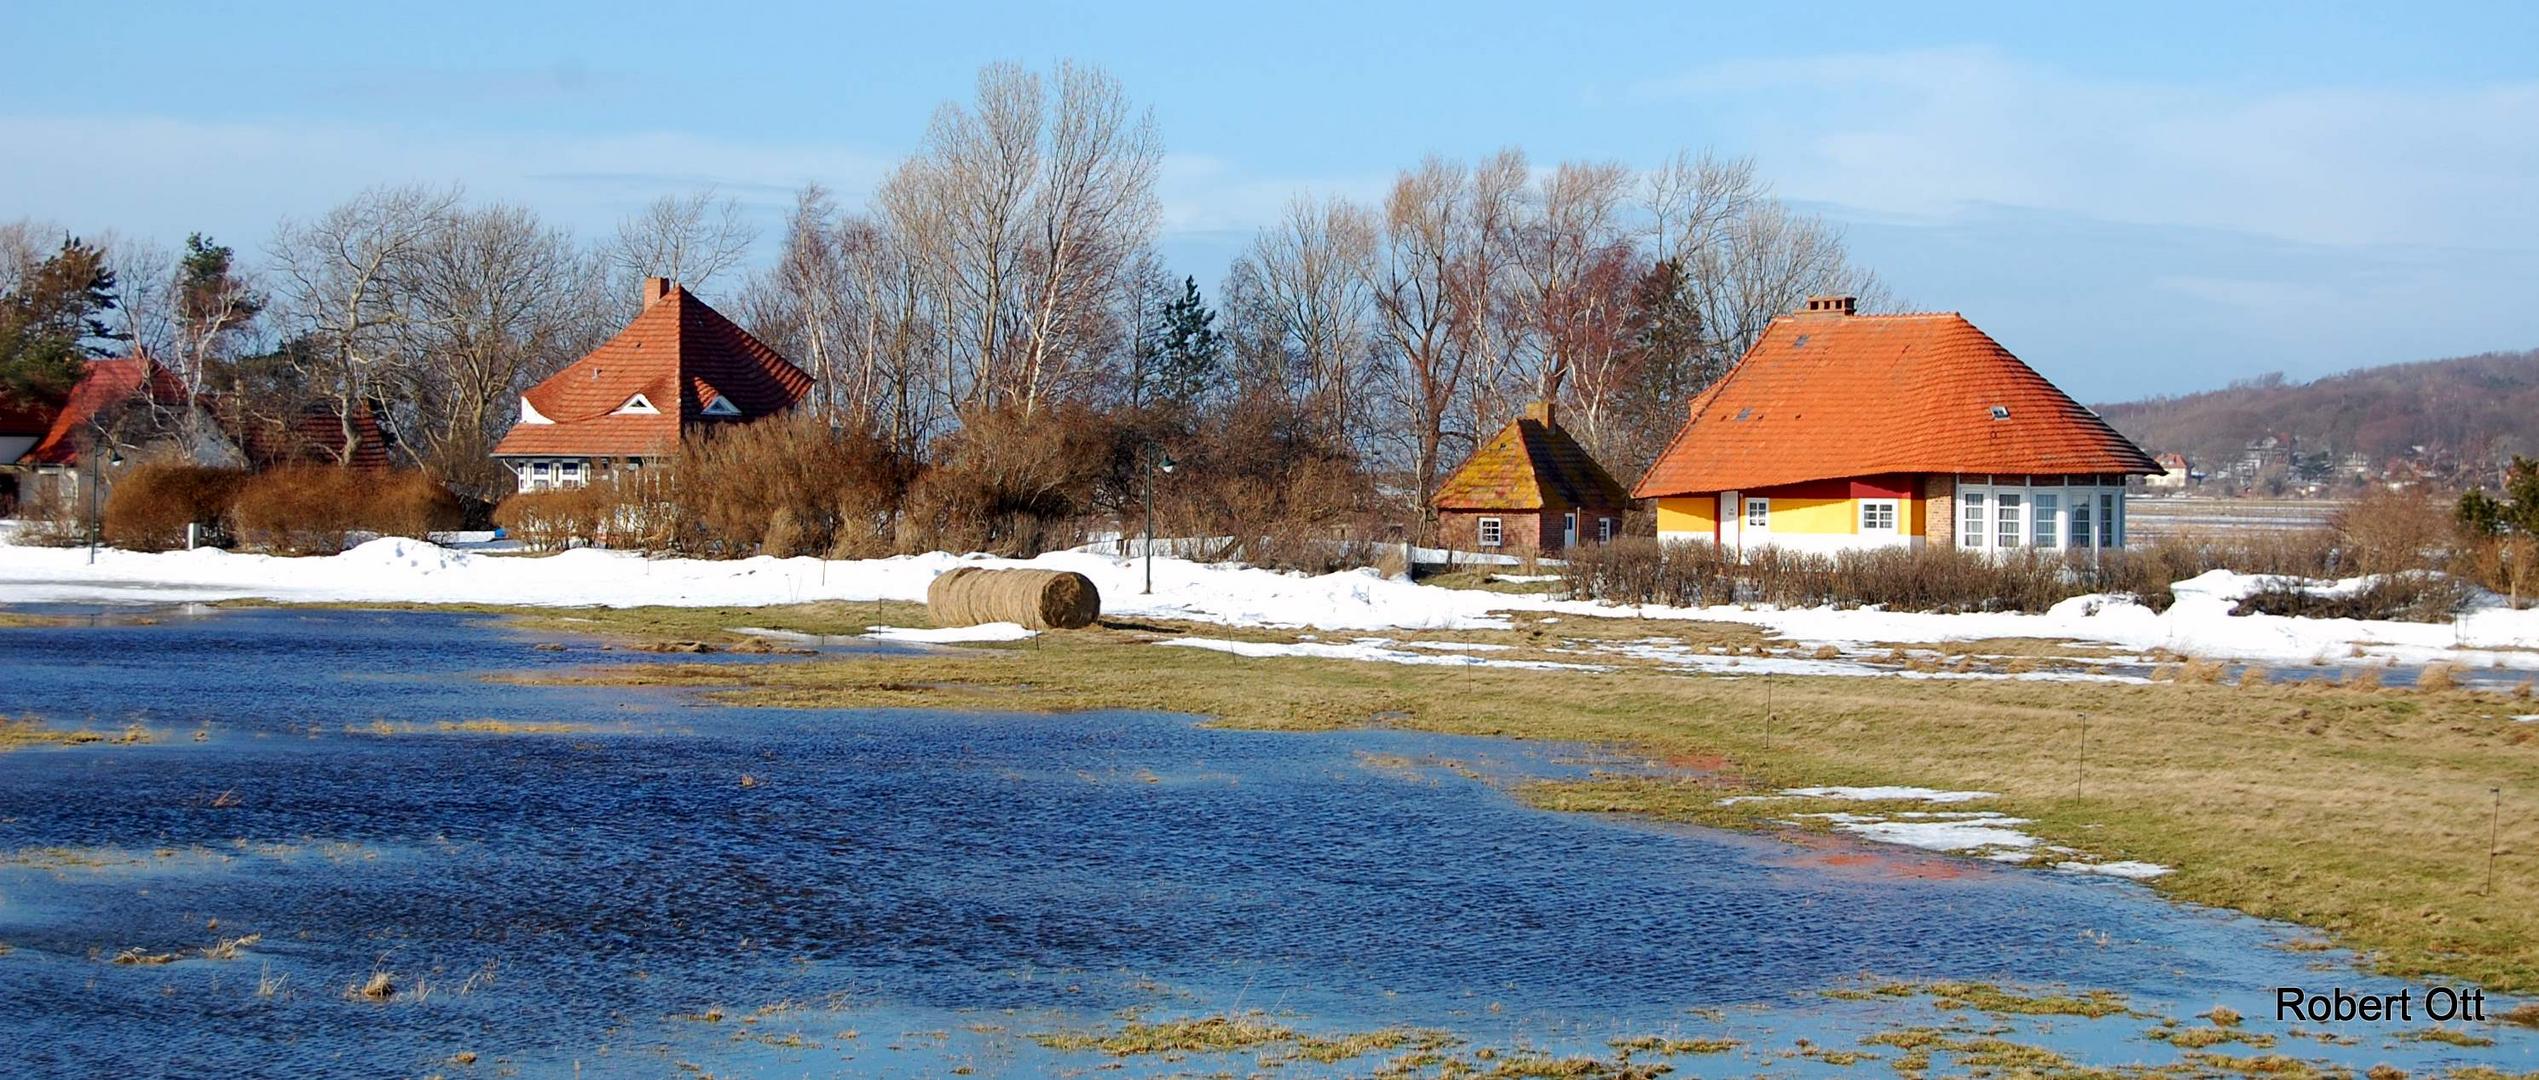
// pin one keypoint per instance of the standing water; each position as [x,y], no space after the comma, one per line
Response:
[635,882]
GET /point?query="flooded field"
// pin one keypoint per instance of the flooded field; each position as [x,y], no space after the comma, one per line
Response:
[318,841]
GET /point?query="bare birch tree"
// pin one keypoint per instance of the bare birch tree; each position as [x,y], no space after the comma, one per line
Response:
[688,238]
[338,282]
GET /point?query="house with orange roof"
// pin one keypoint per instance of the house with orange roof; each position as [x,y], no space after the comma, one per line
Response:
[679,369]
[1842,431]
[126,407]
[1530,490]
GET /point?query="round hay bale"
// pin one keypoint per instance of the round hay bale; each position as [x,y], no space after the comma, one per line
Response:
[1039,599]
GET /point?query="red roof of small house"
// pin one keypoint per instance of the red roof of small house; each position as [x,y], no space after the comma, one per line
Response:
[1828,394]
[105,385]
[1531,464]
[314,436]
[681,357]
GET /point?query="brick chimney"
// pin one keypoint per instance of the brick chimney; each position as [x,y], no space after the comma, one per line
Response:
[1542,412]
[1829,305]
[655,289]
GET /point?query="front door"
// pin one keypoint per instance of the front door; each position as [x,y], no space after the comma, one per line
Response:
[1569,530]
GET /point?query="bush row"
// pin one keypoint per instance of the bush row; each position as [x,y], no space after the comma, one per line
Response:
[294,511]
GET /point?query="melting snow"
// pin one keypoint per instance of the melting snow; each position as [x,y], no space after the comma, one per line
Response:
[995,631]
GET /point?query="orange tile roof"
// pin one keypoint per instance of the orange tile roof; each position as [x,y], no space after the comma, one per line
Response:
[682,356]
[1826,396]
[1531,464]
[105,385]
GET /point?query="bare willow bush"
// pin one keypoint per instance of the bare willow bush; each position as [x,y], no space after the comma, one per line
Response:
[153,505]
[788,487]
[1008,482]
[1264,486]
[2392,532]
[315,510]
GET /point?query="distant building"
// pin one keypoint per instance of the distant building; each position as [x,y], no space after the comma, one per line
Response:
[1530,490]
[2175,474]
[679,368]
[132,408]
[1839,431]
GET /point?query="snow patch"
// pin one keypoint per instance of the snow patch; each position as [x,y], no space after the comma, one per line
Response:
[995,631]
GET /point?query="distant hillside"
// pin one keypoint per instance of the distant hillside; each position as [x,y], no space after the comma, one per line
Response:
[2468,409]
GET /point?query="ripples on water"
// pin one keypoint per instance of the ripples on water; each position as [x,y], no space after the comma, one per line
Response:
[565,897]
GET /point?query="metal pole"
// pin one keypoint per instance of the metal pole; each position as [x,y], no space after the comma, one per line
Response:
[1150,524]
[2494,839]
[95,474]
[2083,771]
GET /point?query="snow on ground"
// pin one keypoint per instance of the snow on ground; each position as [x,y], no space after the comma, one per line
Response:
[392,569]
[1377,649]
[947,635]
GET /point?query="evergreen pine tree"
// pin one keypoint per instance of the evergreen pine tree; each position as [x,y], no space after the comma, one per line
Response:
[54,321]
[1188,348]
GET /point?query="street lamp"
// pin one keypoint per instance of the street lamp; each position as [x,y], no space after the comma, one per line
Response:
[96,479]
[1156,458]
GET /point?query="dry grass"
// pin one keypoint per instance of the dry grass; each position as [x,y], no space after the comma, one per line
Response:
[379,987]
[2343,811]
[29,731]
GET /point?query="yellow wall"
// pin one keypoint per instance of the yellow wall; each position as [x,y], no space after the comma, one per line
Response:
[1815,516]
[1697,514]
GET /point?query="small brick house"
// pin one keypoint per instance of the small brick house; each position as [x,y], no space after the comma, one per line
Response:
[1530,490]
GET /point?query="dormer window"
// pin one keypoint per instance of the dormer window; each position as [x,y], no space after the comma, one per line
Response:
[2001,412]
[721,406]
[638,405]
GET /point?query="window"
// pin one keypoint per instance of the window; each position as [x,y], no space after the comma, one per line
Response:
[2001,412]
[720,406]
[569,474]
[2049,530]
[1487,531]
[1604,530]
[2080,522]
[538,480]
[2006,519]
[639,405]
[1970,529]
[2107,519]
[1877,515]
[1758,513]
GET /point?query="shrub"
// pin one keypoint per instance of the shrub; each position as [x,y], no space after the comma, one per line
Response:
[153,503]
[2414,596]
[1008,483]
[788,487]
[552,520]
[302,510]
[313,510]
[51,518]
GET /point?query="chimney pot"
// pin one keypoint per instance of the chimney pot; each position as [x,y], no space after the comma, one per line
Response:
[1830,305]
[655,288]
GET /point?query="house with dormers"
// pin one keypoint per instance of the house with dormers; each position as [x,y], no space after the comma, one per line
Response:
[678,370]
[1841,431]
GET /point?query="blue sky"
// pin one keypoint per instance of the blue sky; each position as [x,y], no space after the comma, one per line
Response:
[2157,198]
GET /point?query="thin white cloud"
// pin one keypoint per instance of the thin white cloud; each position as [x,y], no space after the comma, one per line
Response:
[1927,132]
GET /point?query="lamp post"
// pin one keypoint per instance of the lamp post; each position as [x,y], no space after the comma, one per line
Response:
[96,479]
[1156,458]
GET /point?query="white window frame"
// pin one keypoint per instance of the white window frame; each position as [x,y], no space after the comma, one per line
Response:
[1489,532]
[569,474]
[2009,525]
[720,406]
[1758,512]
[2045,520]
[639,405]
[1974,525]
[1604,530]
[2077,530]
[1891,509]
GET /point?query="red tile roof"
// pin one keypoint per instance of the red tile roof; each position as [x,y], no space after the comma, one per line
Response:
[682,356]
[107,384]
[313,437]
[1826,396]
[1531,464]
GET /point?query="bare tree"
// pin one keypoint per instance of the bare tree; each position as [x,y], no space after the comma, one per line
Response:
[1429,302]
[1300,308]
[1026,212]
[493,300]
[339,283]
[1570,226]
[687,238]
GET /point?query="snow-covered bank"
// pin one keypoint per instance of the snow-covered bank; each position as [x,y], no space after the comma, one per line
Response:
[398,570]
